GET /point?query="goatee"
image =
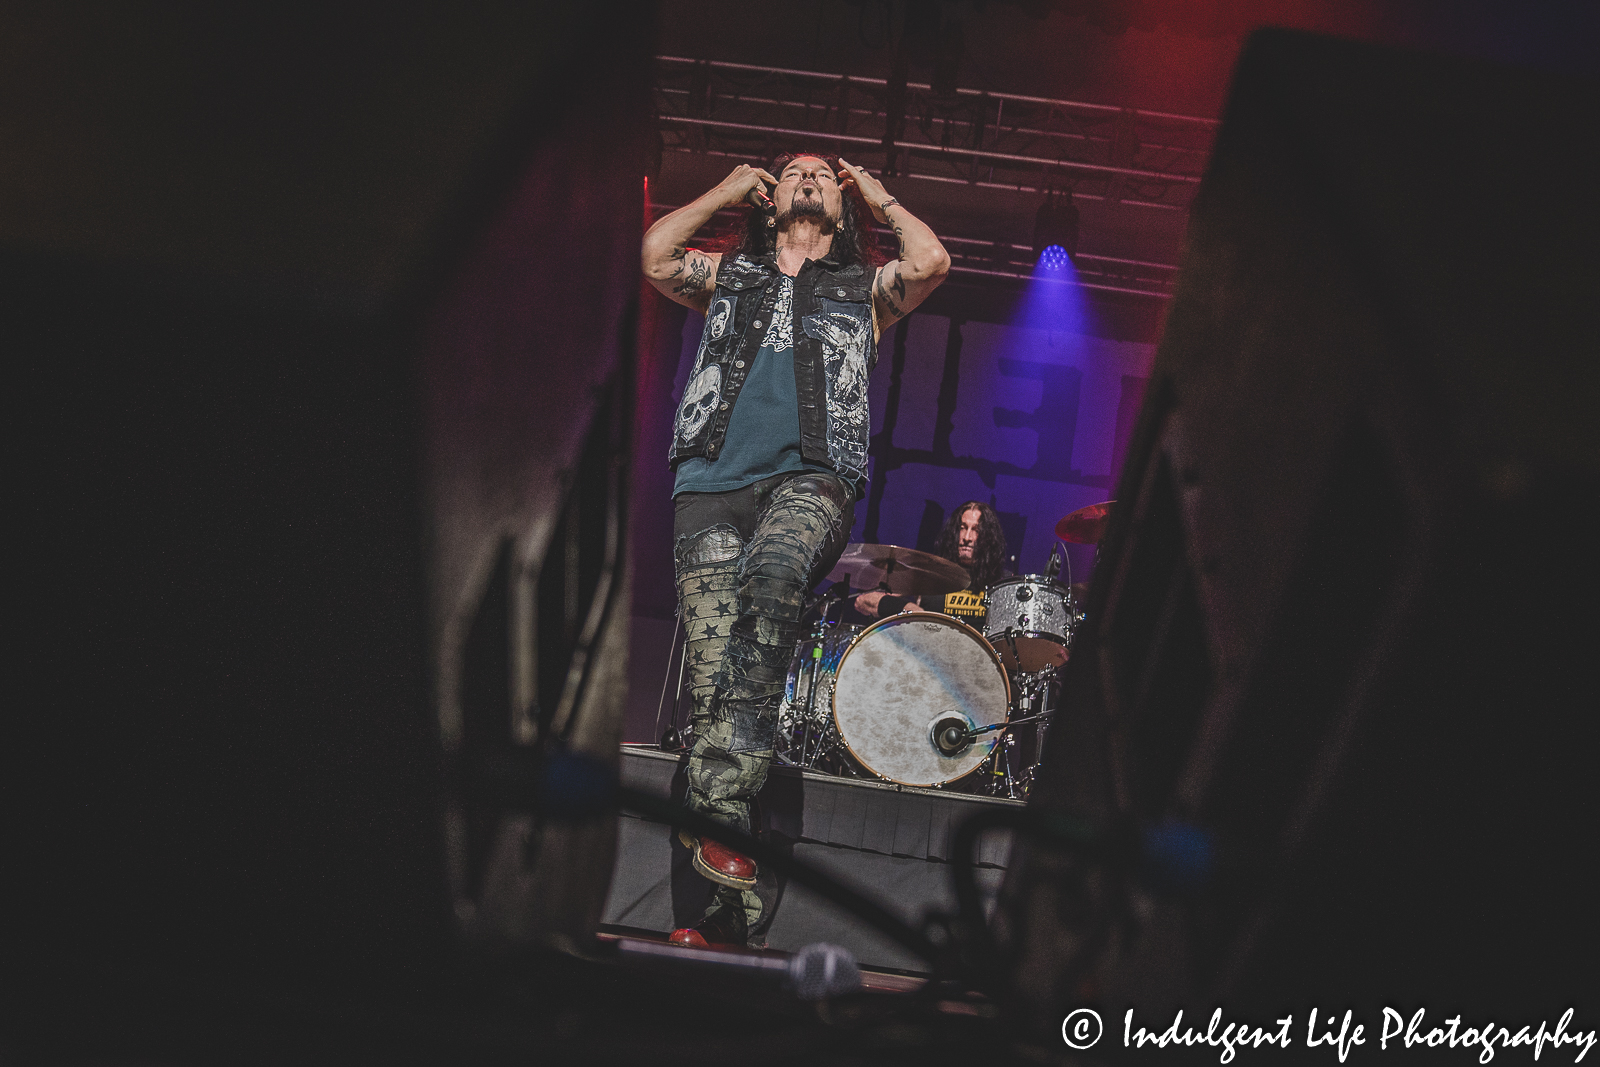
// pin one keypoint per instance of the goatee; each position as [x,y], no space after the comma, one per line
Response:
[807,207]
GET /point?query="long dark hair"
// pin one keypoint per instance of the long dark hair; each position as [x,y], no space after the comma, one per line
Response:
[854,240]
[988,555]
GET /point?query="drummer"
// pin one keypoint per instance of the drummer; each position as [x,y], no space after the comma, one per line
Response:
[971,537]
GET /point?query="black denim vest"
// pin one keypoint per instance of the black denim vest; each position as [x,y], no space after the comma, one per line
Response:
[834,352]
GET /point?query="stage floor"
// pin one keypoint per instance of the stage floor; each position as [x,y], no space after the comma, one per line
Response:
[890,841]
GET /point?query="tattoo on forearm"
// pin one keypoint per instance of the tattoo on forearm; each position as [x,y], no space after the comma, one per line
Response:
[885,300]
[695,283]
[899,235]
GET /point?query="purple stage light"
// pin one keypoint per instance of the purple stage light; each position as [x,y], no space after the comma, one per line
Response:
[1052,300]
[1055,225]
[1054,259]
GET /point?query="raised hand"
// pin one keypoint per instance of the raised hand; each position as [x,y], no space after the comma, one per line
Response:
[687,275]
[872,189]
[922,263]
[737,185]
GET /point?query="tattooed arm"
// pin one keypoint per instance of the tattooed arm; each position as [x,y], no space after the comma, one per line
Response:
[921,265]
[687,275]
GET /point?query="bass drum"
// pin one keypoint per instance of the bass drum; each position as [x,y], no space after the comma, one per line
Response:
[906,680]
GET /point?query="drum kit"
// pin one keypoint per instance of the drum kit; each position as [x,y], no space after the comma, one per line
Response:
[925,699]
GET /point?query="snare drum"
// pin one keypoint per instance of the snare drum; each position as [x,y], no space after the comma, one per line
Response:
[1037,612]
[901,686]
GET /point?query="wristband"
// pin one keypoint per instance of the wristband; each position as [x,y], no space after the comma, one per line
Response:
[887,204]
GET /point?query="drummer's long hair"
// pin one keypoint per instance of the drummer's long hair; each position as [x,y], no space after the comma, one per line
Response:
[988,555]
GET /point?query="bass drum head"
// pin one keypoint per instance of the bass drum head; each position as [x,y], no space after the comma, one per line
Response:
[903,675]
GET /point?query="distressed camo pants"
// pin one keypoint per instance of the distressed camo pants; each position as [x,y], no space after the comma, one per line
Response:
[744,561]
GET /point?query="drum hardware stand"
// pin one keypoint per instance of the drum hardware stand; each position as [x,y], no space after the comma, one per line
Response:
[1011,640]
[819,633]
[1006,765]
[1038,686]
[1049,691]
[1024,705]
[1024,702]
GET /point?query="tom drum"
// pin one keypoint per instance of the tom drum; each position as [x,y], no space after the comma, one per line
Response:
[1031,614]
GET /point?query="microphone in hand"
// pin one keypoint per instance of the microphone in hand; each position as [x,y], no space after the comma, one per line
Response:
[757,198]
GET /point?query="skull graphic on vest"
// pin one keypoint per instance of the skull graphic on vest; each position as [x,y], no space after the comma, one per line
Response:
[717,321]
[700,398]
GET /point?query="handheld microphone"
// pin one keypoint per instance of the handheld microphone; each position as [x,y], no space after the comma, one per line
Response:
[757,198]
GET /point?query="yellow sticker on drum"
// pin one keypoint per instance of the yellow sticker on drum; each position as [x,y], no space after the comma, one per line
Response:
[965,605]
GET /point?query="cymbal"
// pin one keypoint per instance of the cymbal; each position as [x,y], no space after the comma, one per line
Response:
[1086,525]
[906,571]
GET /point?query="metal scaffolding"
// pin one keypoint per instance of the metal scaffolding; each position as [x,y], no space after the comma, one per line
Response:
[988,140]
[1004,141]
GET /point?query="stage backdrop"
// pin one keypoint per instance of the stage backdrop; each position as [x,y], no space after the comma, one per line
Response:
[1033,421]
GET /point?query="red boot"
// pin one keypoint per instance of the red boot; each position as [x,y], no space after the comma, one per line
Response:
[720,863]
[721,927]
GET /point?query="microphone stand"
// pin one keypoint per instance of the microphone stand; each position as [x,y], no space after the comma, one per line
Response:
[1008,724]
[661,737]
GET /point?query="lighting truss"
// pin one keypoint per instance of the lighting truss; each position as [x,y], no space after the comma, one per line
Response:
[987,140]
